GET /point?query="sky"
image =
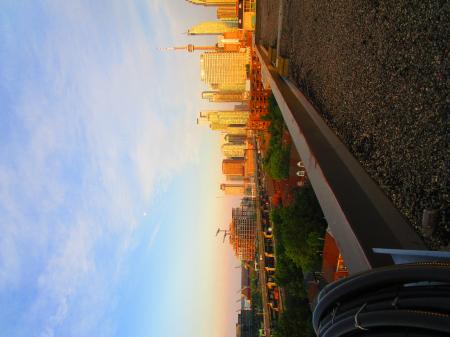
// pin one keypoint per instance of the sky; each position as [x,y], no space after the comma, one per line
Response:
[109,196]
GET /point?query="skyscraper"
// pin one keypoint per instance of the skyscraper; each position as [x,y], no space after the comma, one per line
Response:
[233,189]
[227,13]
[225,117]
[214,2]
[235,139]
[191,48]
[234,178]
[233,167]
[233,129]
[216,86]
[225,96]
[233,150]
[224,70]
[238,130]
[243,230]
[232,41]
[243,106]
[212,28]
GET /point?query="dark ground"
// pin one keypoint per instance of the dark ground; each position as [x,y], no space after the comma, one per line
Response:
[267,21]
[378,71]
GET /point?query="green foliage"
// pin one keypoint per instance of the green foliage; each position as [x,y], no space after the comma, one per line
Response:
[289,276]
[256,292]
[274,114]
[257,305]
[295,322]
[277,156]
[275,216]
[298,229]
[277,163]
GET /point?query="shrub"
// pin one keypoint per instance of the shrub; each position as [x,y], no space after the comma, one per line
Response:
[277,164]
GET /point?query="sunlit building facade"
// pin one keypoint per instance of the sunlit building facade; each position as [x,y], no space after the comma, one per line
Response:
[233,167]
[232,178]
[233,189]
[233,129]
[224,70]
[228,86]
[233,150]
[238,130]
[243,230]
[247,14]
[214,2]
[235,139]
[227,13]
[212,28]
[225,117]
[225,96]
[250,164]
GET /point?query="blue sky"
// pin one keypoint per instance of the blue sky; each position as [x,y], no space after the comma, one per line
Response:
[107,185]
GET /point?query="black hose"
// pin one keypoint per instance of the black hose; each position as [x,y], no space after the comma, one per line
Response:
[387,319]
[382,300]
[403,333]
[437,305]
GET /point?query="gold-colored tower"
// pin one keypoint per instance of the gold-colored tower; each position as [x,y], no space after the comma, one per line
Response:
[225,96]
[212,28]
[213,2]
[224,70]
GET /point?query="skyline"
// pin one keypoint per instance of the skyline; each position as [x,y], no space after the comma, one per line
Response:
[224,186]
[89,191]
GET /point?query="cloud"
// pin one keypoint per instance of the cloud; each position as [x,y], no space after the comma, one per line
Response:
[93,137]
[154,235]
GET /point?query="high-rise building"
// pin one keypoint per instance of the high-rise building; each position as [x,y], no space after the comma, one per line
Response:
[228,86]
[233,41]
[225,117]
[243,230]
[234,178]
[233,189]
[233,150]
[214,2]
[224,70]
[225,96]
[250,164]
[238,130]
[233,167]
[227,13]
[235,139]
[212,28]
[191,48]
[233,129]
[247,14]
[242,107]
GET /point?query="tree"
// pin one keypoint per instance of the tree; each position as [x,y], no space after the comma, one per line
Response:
[277,164]
[295,321]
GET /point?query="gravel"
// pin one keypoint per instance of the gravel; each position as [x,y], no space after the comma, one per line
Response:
[267,21]
[378,71]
